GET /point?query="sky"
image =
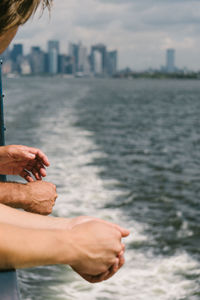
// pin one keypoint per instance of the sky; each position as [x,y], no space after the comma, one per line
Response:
[141,30]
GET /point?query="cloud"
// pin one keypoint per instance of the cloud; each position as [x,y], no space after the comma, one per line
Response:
[140,29]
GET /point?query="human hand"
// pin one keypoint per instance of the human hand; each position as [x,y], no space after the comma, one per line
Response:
[63,223]
[24,161]
[39,197]
[109,273]
[97,249]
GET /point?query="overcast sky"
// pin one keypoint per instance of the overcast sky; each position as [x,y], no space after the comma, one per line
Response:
[141,30]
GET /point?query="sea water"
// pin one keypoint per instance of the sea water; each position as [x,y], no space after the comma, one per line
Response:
[127,151]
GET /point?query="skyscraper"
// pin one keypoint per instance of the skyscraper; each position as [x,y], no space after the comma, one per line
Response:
[16,56]
[82,58]
[170,61]
[98,63]
[53,52]
[79,56]
[74,53]
[37,60]
[112,62]
[16,51]
[100,48]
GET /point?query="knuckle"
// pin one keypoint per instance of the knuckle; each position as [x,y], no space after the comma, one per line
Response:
[53,185]
[103,269]
[48,211]
[112,261]
[119,234]
[118,248]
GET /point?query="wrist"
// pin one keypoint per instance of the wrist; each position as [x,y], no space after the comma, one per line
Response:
[20,195]
[3,158]
[2,151]
[64,245]
[59,223]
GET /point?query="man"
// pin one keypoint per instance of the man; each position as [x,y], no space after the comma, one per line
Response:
[92,247]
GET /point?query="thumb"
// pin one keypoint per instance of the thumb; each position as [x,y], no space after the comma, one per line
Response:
[124,232]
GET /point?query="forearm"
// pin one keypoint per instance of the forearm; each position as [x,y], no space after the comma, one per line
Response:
[24,248]
[3,158]
[13,194]
[20,218]
[37,197]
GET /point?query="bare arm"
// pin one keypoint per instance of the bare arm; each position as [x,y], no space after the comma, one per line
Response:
[20,218]
[38,196]
[21,247]
[90,248]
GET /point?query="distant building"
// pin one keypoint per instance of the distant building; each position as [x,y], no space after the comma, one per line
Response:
[6,54]
[37,60]
[46,62]
[66,64]
[112,62]
[80,60]
[101,49]
[25,67]
[97,63]
[16,51]
[76,62]
[16,56]
[61,63]
[170,61]
[74,53]
[53,53]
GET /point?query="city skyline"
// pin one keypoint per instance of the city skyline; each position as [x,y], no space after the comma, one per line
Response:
[141,30]
[77,61]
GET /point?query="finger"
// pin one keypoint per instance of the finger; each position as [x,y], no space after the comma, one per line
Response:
[37,166]
[36,174]
[124,232]
[39,155]
[90,278]
[29,156]
[87,277]
[123,249]
[53,186]
[121,261]
[43,158]
[113,270]
[26,175]
[42,172]
[95,278]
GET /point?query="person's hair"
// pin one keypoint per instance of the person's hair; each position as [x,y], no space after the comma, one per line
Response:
[17,12]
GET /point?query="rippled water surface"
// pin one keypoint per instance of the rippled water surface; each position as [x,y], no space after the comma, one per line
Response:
[126,151]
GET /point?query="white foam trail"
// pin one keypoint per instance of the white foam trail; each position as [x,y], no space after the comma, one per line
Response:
[83,192]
